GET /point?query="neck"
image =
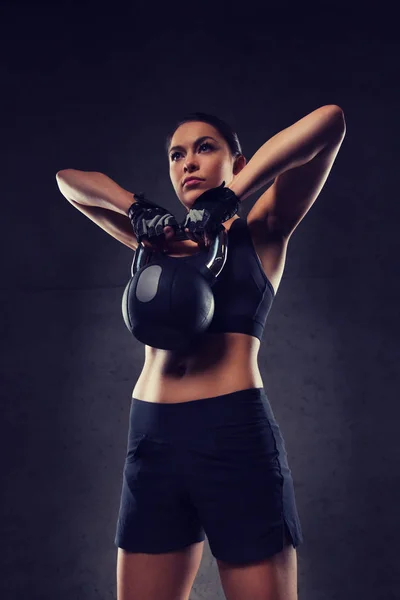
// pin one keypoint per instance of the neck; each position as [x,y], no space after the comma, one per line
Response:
[228,223]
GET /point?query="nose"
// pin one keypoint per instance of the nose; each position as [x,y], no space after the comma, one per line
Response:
[189,163]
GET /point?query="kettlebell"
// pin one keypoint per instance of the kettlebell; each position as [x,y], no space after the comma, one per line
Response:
[168,303]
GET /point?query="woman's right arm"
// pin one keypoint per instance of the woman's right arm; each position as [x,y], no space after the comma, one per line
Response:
[102,200]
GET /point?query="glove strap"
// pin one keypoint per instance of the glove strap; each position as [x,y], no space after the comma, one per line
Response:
[141,203]
[222,201]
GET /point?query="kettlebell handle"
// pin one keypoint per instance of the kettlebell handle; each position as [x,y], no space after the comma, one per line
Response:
[215,261]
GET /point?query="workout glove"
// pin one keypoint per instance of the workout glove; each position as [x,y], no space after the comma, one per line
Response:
[212,207]
[148,221]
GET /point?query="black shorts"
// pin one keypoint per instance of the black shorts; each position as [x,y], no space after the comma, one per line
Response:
[214,466]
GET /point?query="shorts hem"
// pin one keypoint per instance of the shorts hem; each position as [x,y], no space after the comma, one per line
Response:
[262,554]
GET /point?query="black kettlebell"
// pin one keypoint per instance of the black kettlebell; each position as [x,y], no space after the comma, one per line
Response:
[168,303]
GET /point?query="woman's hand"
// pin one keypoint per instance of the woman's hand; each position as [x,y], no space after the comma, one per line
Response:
[153,225]
[161,241]
[212,207]
[169,233]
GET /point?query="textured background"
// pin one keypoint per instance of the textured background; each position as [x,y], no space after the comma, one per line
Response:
[99,90]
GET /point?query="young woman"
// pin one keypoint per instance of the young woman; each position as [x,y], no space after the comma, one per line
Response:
[205,453]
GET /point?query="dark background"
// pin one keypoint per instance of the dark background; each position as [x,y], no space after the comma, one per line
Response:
[99,89]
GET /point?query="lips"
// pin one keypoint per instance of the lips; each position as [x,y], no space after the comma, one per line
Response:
[192,179]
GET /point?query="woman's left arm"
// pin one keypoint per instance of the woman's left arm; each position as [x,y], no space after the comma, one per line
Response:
[299,159]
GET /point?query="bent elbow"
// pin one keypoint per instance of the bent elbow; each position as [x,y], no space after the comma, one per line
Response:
[337,120]
[61,173]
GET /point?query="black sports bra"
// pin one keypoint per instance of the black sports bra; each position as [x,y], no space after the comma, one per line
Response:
[243,293]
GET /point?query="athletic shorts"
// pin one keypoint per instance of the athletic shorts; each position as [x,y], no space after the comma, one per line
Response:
[214,467]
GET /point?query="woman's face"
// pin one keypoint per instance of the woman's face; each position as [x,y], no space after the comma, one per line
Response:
[202,152]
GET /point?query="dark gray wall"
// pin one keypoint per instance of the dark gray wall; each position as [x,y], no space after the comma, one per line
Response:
[99,91]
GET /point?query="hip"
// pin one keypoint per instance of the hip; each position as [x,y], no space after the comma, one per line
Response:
[227,431]
[235,414]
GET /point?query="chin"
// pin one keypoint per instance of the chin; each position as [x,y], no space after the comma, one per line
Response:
[189,198]
[188,203]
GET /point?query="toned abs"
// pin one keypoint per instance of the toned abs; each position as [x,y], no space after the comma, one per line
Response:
[220,364]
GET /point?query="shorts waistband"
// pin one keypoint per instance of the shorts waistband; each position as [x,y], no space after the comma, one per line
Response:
[240,407]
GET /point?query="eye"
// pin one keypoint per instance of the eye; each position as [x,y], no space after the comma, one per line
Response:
[205,144]
[201,146]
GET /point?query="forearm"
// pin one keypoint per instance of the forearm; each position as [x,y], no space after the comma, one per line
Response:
[90,188]
[290,148]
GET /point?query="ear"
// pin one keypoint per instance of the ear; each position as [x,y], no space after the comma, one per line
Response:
[240,162]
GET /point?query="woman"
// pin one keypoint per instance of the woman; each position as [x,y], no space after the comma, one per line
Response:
[205,453]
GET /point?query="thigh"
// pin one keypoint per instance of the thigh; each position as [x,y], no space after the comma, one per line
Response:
[274,578]
[166,576]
